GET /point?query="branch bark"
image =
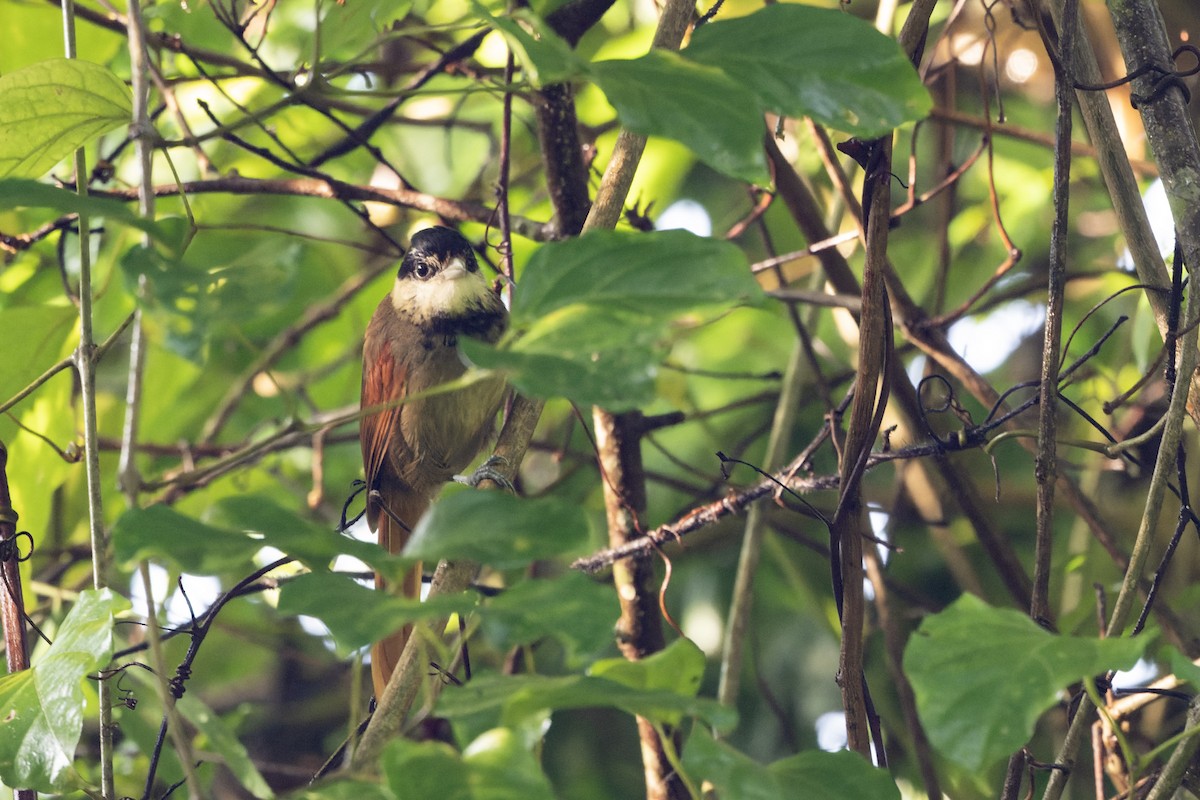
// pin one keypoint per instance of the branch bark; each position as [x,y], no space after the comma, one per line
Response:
[453,210]
[1046,469]
[12,603]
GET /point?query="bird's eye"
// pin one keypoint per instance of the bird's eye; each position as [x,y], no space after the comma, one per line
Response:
[422,271]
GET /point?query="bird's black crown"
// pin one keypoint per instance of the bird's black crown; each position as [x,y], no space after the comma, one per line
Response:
[438,245]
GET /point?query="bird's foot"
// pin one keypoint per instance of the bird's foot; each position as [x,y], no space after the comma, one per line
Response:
[487,472]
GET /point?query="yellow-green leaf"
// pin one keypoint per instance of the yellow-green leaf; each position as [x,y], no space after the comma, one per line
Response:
[53,107]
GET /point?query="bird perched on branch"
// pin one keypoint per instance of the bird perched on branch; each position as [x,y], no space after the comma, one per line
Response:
[410,449]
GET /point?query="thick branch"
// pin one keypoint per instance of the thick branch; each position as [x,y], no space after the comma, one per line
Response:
[639,629]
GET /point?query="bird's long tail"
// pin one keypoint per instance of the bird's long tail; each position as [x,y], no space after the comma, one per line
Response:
[408,508]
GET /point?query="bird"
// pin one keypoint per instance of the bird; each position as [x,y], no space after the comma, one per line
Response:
[411,345]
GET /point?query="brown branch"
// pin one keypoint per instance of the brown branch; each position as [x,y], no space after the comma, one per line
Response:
[736,502]
[1046,469]
[16,243]
[894,640]
[866,414]
[562,157]
[12,604]
[639,630]
[12,607]
[454,210]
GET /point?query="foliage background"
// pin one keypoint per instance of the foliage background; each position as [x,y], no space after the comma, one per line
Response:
[253,339]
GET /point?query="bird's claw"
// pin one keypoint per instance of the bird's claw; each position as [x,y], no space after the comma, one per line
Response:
[487,472]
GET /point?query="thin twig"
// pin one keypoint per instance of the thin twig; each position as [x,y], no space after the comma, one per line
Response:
[85,363]
[1046,469]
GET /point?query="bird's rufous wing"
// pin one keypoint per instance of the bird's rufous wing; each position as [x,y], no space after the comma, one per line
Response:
[383,382]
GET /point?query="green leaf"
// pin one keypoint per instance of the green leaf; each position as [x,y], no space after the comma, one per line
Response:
[590,313]
[39,334]
[659,275]
[664,94]
[222,741]
[493,767]
[1004,668]
[195,299]
[53,107]
[816,62]
[22,193]
[159,531]
[545,57]
[677,668]
[573,608]
[243,526]
[316,546]
[816,775]
[497,529]
[520,698]
[616,378]
[812,775]
[729,771]
[346,790]
[349,28]
[42,707]
[355,614]
[420,770]
[1182,666]
[501,768]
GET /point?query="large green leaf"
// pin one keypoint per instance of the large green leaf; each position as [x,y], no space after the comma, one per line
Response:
[42,707]
[1004,668]
[816,62]
[355,614]
[53,107]
[497,529]
[812,775]
[664,94]
[523,697]
[590,313]
[219,739]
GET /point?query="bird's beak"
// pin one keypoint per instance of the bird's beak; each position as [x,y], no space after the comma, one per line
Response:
[454,270]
